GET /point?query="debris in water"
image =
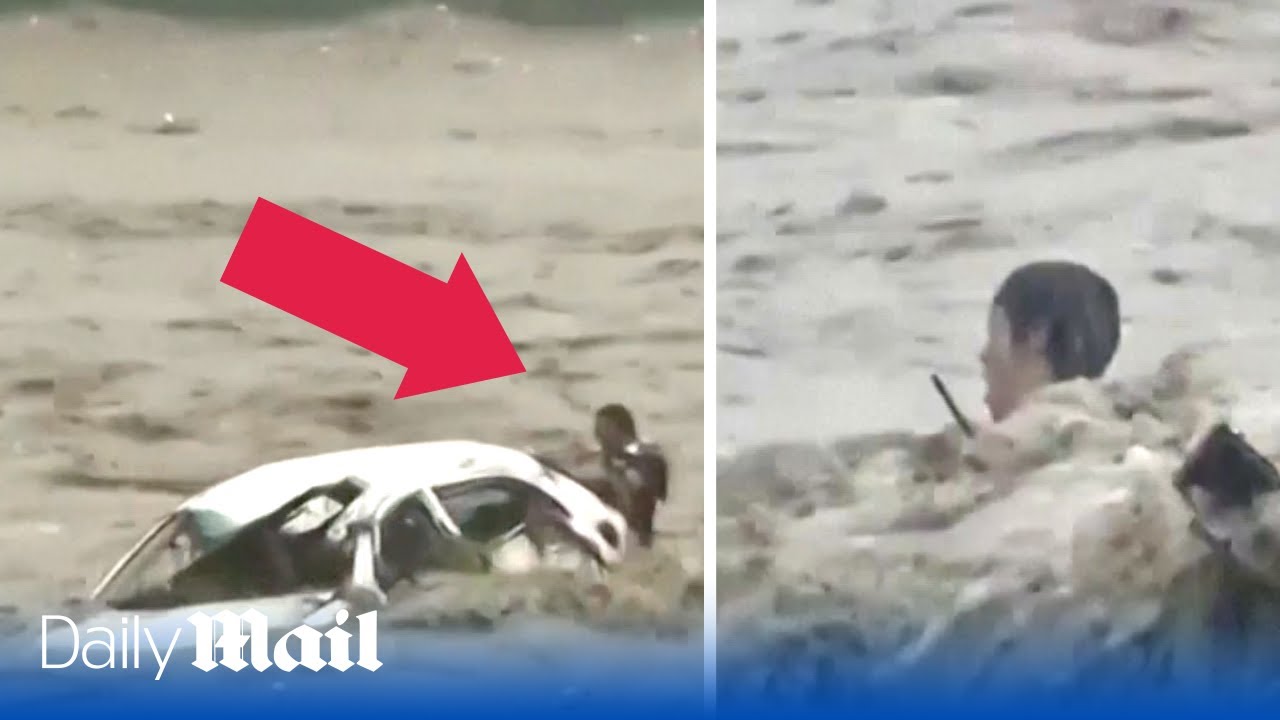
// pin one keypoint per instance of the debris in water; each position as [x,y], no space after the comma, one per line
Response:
[475,67]
[170,125]
[77,112]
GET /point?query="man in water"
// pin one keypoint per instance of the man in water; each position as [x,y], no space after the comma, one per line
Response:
[635,470]
[1103,533]
[1049,322]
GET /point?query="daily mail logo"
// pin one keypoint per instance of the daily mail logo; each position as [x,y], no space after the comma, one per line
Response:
[232,640]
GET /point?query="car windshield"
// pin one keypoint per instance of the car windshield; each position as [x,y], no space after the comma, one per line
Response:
[209,528]
[170,547]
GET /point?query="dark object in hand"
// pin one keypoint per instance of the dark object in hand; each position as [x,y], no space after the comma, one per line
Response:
[1228,469]
[965,426]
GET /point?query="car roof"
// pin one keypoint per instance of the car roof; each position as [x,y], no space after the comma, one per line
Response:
[385,469]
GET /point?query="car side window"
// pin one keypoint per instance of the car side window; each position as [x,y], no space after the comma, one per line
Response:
[321,508]
[487,508]
[311,515]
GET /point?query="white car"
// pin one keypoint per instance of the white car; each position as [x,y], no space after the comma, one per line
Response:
[344,527]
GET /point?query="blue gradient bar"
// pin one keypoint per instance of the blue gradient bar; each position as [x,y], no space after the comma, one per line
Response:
[652,686]
[543,668]
[1112,695]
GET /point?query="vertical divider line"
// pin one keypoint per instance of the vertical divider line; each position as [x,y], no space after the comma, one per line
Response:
[709,397]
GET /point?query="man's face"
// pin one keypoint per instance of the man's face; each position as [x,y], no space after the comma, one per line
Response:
[1008,367]
[609,436]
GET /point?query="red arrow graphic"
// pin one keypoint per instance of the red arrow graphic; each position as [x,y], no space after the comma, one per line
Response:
[444,334]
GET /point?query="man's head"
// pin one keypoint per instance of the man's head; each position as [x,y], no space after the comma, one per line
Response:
[1049,322]
[615,428]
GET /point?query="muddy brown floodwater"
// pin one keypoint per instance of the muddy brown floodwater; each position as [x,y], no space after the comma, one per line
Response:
[882,166]
[566,164]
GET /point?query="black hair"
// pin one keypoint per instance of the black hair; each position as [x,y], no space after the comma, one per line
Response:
[619,415]
[1077,310]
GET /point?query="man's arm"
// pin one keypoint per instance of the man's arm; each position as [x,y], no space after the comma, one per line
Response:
[652,467]
[602,486]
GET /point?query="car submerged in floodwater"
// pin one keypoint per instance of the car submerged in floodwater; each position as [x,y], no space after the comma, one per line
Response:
[308,537]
